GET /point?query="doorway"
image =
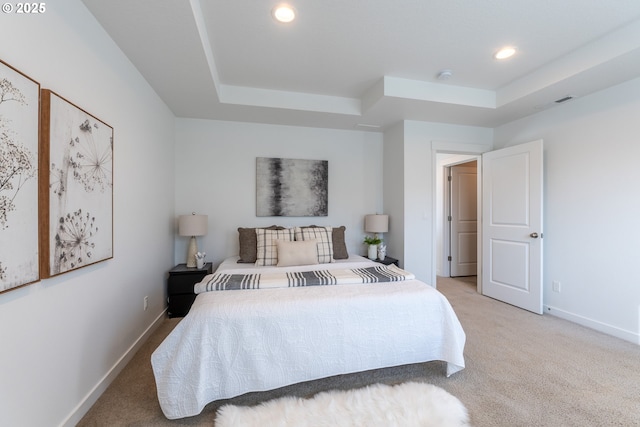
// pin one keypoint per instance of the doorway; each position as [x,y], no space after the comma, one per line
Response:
[511,195]
[464,256]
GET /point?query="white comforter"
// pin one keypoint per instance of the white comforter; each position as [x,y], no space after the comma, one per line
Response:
[234,342]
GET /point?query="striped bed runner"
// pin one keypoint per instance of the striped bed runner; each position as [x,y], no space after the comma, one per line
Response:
[376,274]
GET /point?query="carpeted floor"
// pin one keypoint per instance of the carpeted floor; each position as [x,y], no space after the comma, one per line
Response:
[522,369]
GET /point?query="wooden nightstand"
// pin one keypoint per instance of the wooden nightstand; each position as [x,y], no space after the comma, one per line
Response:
[180,293]
[387,261]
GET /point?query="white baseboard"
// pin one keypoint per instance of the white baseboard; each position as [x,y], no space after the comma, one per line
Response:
[630,336]
[83,407]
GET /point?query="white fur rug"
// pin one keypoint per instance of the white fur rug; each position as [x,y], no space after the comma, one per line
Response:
[404,405]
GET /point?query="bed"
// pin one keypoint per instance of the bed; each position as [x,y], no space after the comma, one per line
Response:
[244,340]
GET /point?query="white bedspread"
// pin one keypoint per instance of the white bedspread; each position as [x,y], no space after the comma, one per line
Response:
[235,342]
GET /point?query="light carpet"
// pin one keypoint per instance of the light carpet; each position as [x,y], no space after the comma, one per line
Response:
[410,404]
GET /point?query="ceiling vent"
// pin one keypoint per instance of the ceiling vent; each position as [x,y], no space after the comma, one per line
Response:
[565,99]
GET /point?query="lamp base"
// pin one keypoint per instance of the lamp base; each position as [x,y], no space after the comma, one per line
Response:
[191,252]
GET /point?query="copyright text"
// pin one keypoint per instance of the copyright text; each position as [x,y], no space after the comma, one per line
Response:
[24,8]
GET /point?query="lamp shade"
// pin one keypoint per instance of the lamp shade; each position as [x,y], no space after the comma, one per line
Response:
[376,223]
[193,225]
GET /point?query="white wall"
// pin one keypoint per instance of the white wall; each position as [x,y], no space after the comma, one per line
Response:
[591,206]
[393,190]
[61,337]
[216,175]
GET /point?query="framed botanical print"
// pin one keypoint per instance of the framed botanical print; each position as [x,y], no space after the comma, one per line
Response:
[19,116]
[76,187]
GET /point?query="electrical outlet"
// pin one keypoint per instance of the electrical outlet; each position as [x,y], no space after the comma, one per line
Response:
[146,303]
[556,286]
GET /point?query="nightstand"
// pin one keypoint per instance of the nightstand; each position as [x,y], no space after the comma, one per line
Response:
[387,261]
[180,293]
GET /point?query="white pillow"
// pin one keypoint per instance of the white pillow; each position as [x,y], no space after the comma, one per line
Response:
[324,238]
[266,249]
[297,253]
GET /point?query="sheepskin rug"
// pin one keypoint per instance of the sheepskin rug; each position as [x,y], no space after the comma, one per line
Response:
[410,404]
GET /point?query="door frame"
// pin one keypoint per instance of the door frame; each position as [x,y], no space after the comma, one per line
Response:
[457,148]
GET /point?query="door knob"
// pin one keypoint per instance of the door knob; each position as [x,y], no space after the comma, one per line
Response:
[534,235]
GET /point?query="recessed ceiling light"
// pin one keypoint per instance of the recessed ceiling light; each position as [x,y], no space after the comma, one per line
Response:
[283,13]
[505,52]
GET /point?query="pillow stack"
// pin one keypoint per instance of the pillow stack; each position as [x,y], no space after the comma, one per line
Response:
[292,246]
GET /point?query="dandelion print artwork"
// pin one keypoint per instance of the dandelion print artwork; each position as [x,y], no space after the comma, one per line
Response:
[74,239]
[19,112]
[80,184]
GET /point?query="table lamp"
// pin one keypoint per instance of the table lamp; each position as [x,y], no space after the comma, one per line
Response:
[376,224]
[192,225]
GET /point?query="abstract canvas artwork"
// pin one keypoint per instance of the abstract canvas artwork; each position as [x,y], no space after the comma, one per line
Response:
[76,182]
[19,115]
[291,187]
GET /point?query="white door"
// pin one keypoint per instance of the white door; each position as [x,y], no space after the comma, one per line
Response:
[464,220]
[512,225]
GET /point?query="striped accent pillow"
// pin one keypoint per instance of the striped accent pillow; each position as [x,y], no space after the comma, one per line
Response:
[266,249]
[325,241]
